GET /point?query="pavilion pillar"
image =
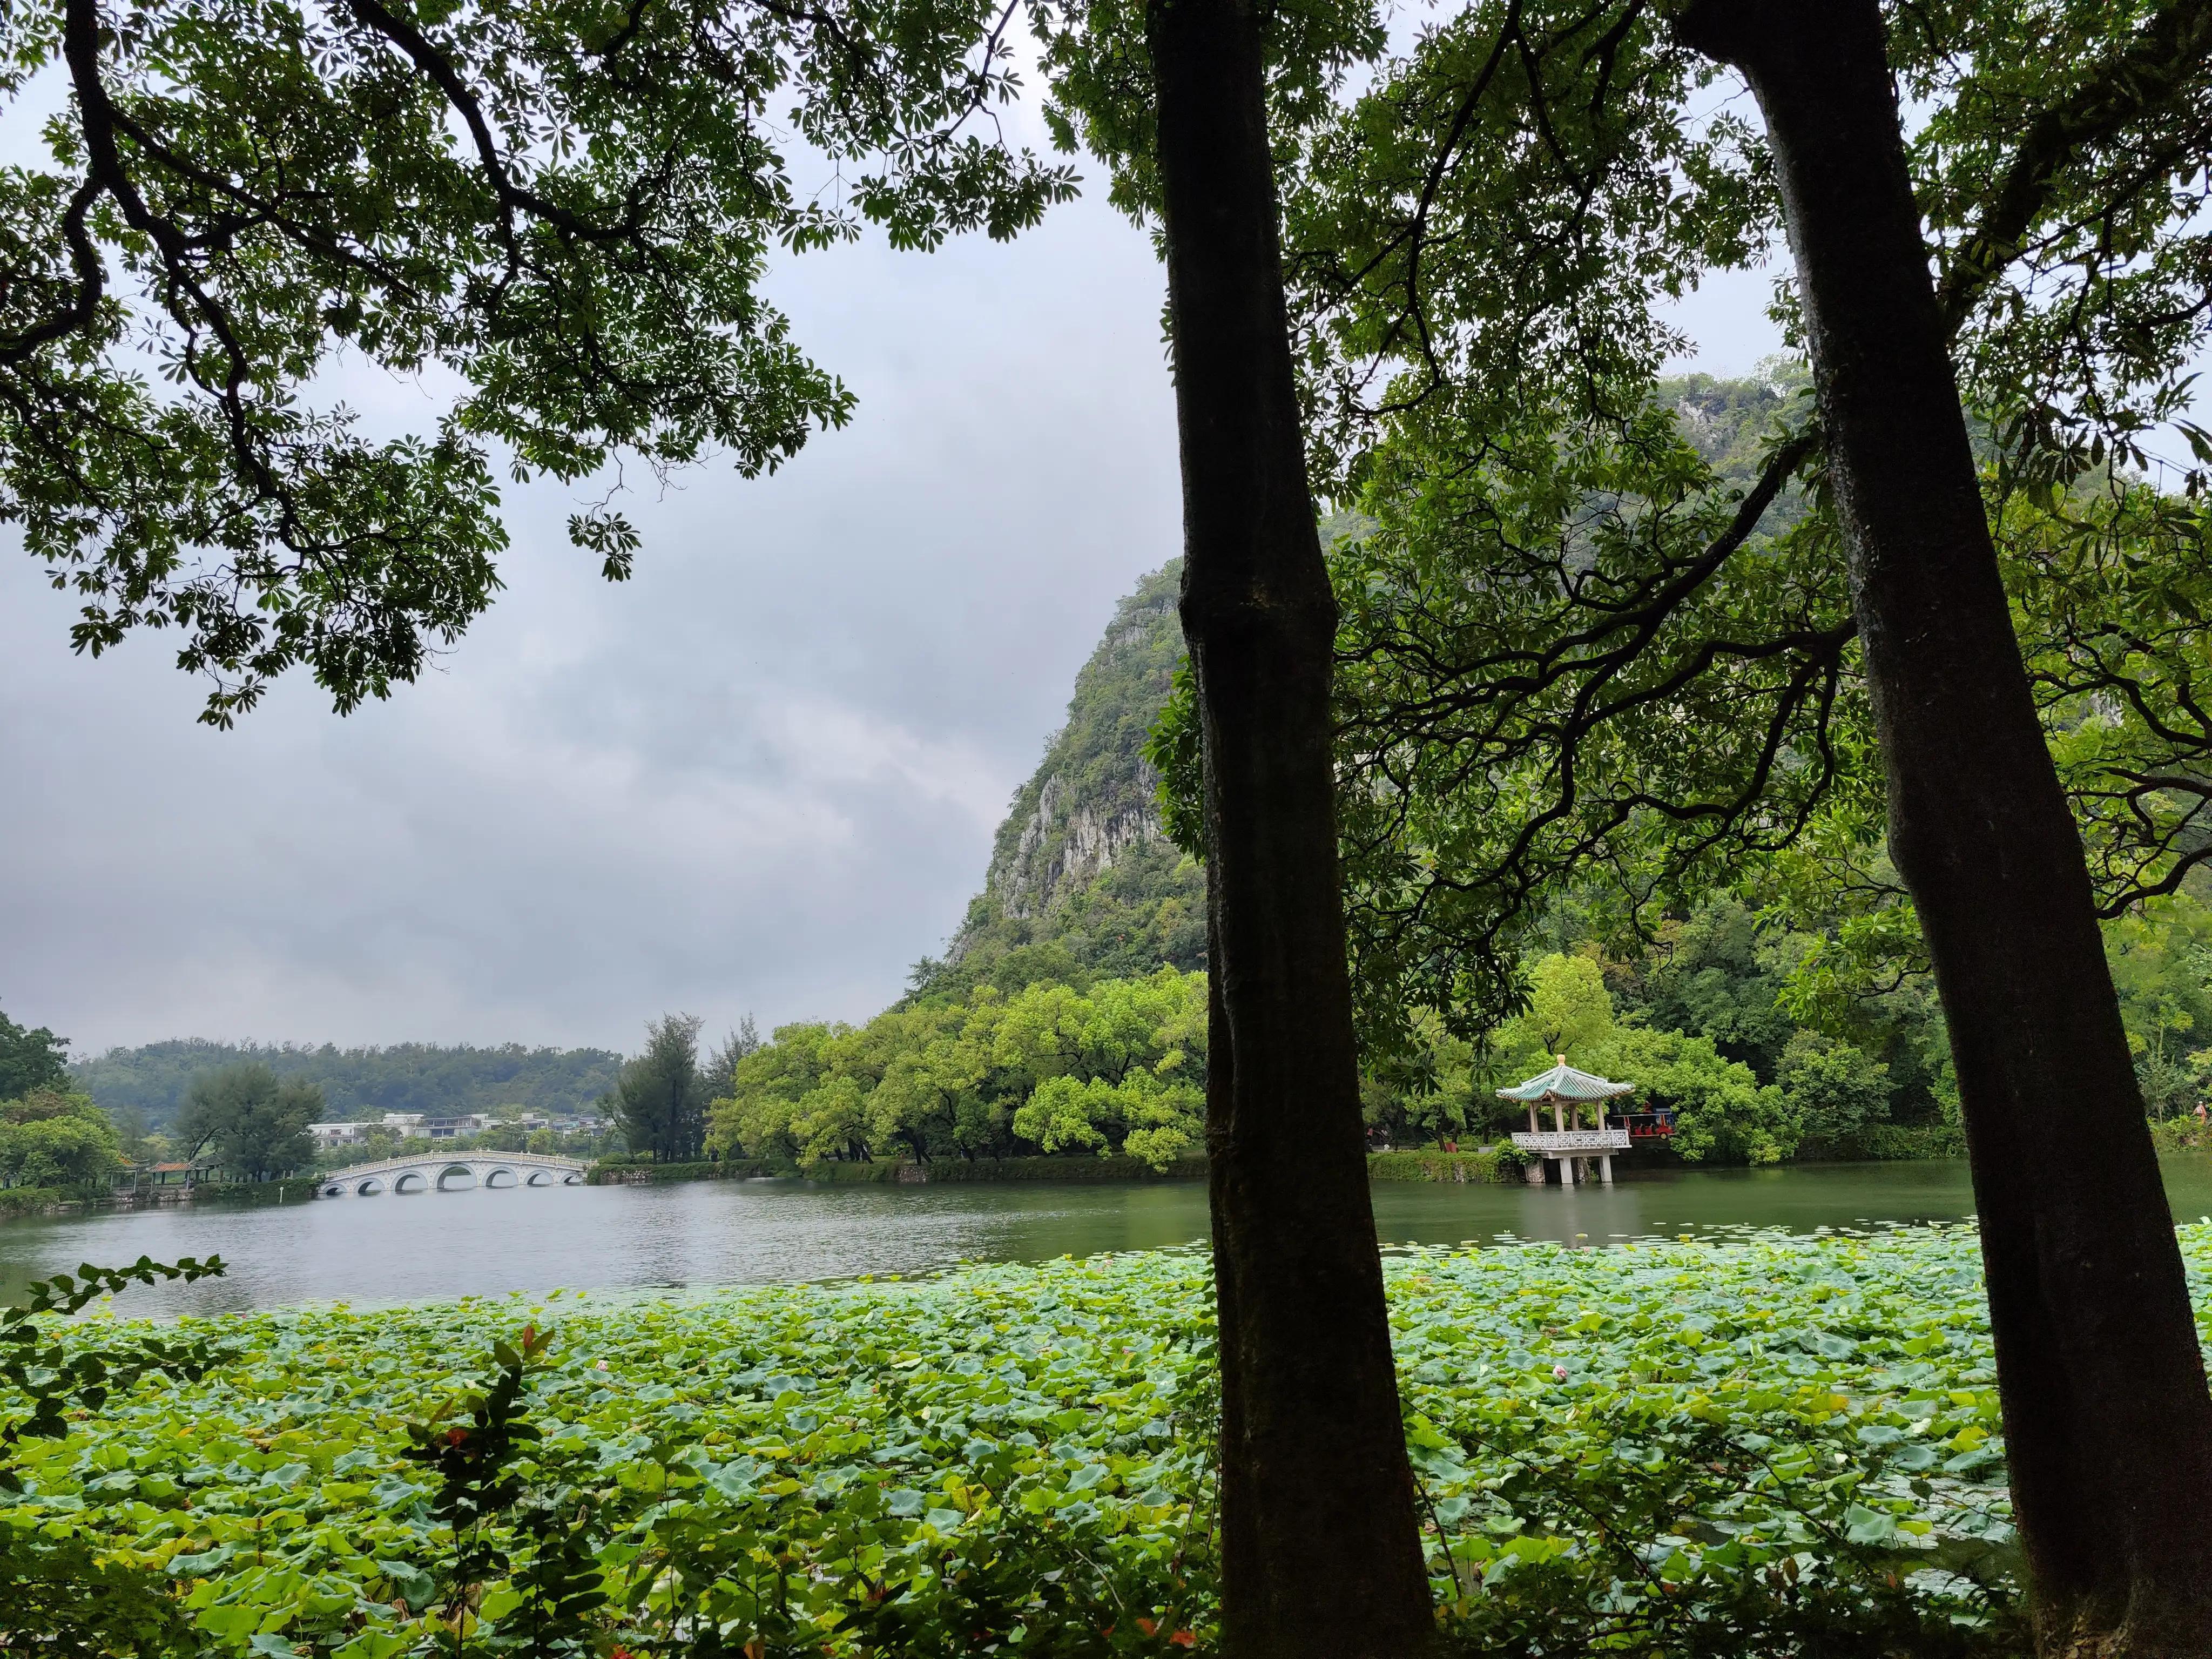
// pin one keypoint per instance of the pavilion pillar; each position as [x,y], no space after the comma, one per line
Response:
[1582,1164]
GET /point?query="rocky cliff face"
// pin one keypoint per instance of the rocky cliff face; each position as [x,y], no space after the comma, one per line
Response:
[1066,843]
[1080,870]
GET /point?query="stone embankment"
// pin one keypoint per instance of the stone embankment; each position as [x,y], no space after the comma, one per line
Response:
[64,1200]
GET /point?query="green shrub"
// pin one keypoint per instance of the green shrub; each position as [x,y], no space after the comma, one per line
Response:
[614,1171]
[943,1170]
[1888,1143]
[1722,1114]
[2181,1135]
[289,1190]
[855,1172]
[1836,1091]
[64,1590]
[37,1200]
[1490,1164]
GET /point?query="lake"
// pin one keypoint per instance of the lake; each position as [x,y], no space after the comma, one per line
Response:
[479,1241]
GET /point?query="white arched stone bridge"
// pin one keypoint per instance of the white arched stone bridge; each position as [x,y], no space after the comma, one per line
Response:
[438,1171]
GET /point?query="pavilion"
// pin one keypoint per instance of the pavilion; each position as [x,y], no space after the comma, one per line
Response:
[1567,1089]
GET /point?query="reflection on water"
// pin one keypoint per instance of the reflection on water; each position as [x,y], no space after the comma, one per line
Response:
[476,1241]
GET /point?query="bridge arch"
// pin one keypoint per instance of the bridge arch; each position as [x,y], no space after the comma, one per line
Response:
[455,1172]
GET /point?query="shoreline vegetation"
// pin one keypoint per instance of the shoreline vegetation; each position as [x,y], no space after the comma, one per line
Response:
[1498,1163]
[1772,1429]
[20,1201]
[1489,1165]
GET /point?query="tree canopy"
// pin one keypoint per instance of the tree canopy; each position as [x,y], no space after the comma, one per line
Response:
[1563,562]
[30,1060]
[52,1138]
[661,1099]
[1112,1067]
[247,1120]
[561,211]
[436,1079]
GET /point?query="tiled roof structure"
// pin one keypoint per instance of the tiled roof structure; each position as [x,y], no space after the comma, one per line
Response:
[1563,1082]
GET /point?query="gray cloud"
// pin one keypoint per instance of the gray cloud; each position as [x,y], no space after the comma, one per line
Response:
[762,776]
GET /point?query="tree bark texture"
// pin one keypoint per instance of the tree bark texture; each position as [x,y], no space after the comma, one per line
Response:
[2108,1425]
[1321,1551]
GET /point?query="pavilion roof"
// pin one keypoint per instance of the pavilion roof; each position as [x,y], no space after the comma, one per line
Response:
[1564,1083]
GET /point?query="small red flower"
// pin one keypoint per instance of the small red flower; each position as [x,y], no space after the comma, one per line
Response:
[454,1437]
[1185,1638]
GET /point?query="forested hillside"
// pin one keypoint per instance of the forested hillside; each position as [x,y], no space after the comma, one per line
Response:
[1116,1068]
[1775,992]
[1081,881]
[358,1083]
[1747,1018]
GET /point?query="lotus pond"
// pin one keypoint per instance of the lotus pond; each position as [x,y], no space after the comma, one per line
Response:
[1613,1447]
[721,1233]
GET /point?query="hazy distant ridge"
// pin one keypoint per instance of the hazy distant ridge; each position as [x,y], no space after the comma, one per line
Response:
[407,1077]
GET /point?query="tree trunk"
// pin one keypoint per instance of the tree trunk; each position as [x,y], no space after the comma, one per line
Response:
[2108,1425]
[1321,1549]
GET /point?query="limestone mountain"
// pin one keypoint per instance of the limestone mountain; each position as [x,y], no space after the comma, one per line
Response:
[1082,881]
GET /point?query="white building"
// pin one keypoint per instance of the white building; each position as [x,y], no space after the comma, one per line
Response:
[405,1126]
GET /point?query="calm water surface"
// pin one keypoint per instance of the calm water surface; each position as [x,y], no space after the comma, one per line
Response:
[478,1242]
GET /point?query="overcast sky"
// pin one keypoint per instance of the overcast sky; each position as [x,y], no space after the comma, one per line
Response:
[762,776]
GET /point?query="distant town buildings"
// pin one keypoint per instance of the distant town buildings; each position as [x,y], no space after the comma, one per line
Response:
[420,1126]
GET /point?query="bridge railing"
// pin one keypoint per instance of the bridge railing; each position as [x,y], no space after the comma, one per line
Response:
[394,1175]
